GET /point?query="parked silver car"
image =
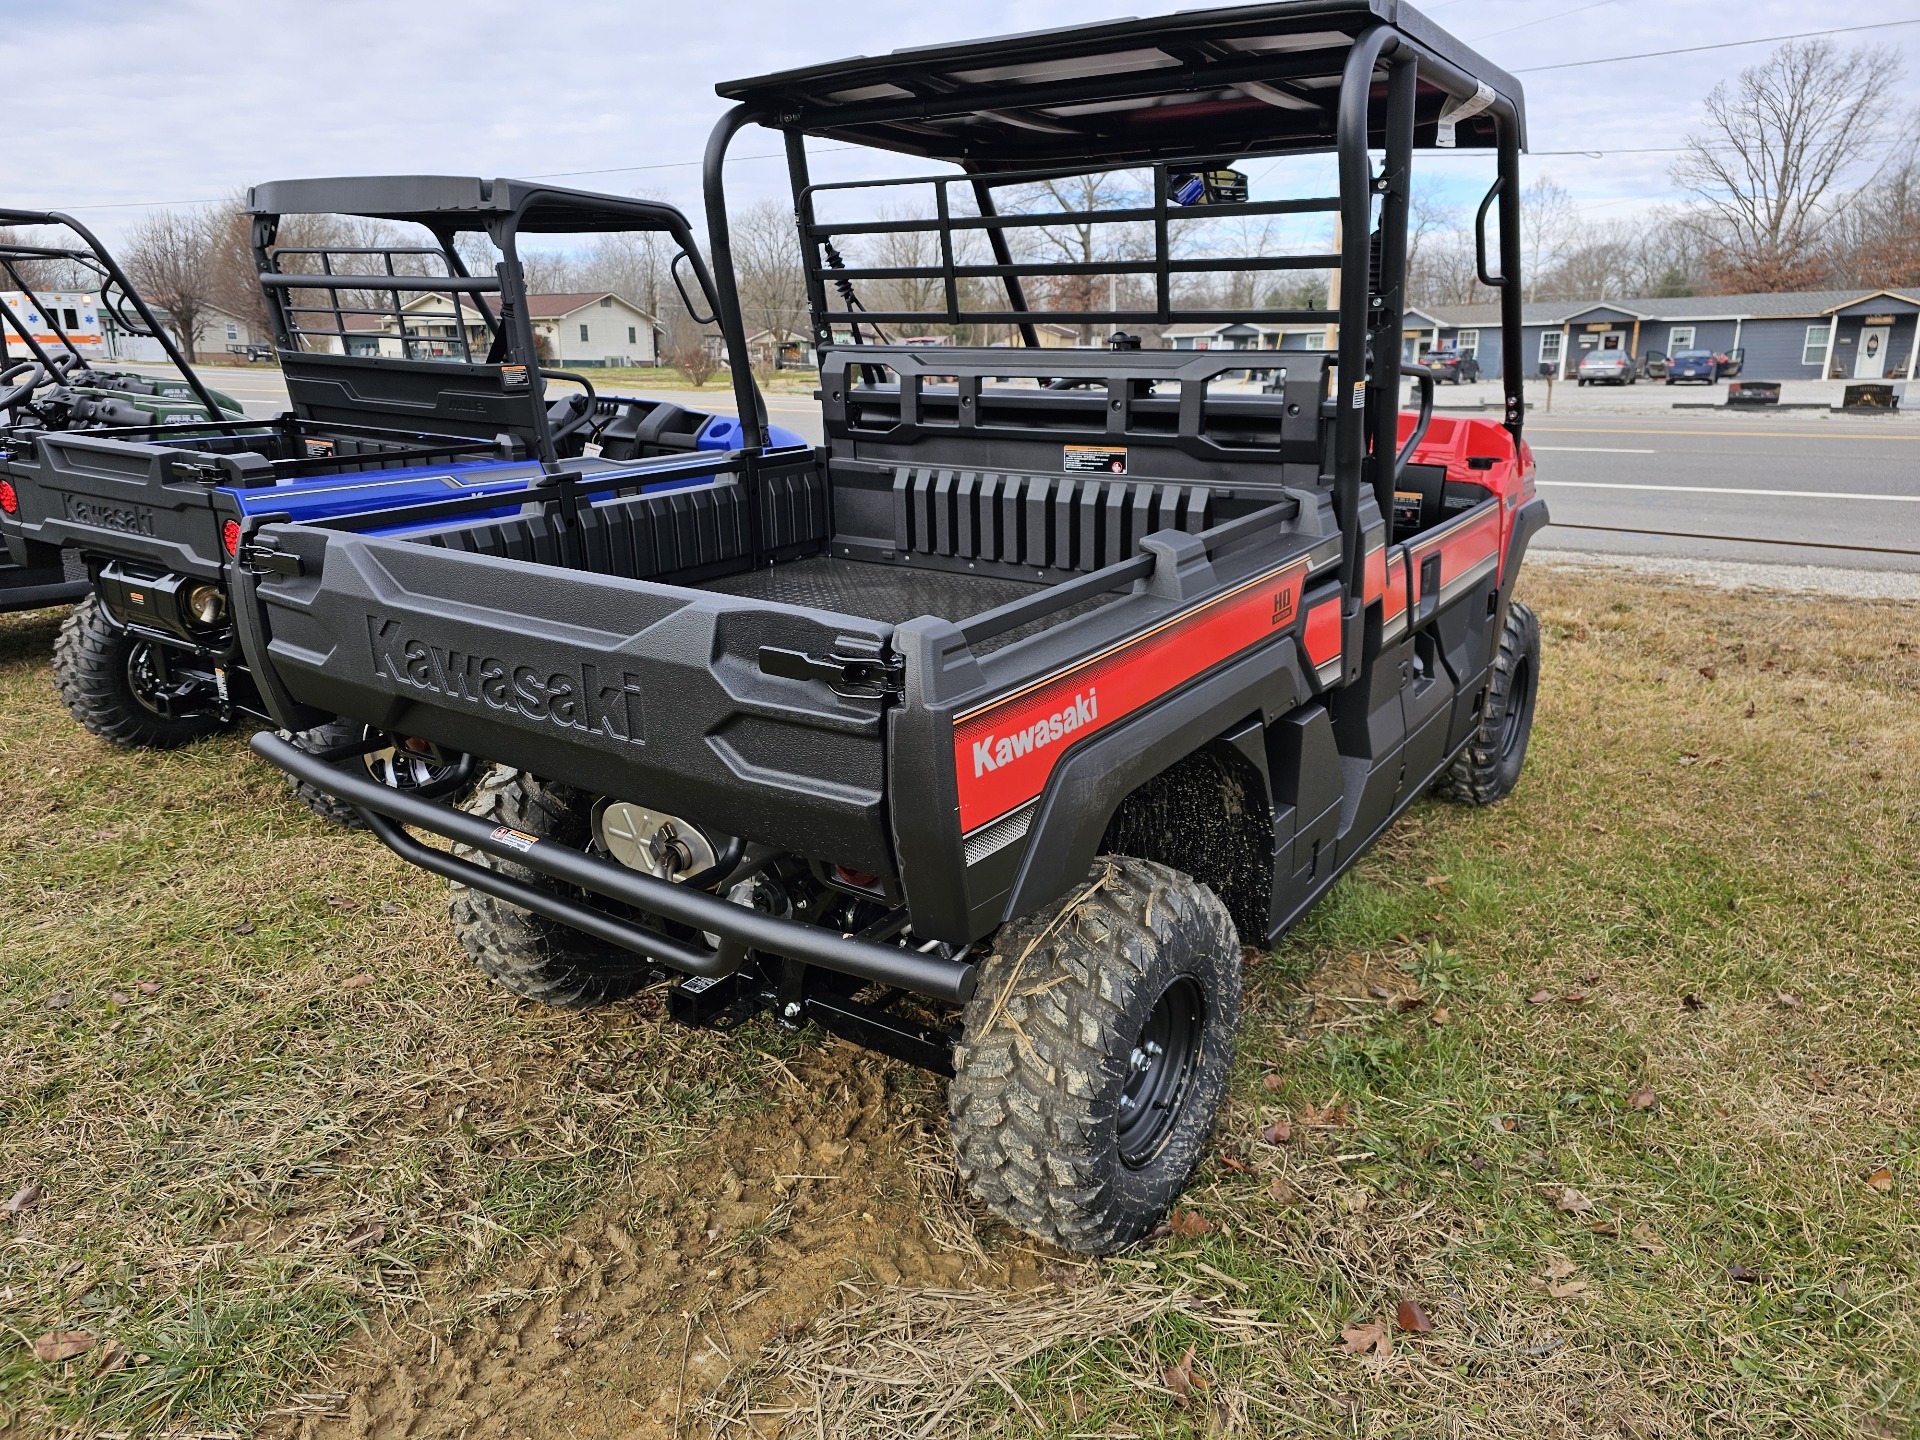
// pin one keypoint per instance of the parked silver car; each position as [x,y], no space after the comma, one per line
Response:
[1613,367]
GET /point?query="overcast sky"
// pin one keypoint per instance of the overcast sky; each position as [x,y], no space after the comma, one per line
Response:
[189,100]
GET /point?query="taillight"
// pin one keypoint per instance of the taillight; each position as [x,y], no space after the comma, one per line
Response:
[9,498]
[230,537]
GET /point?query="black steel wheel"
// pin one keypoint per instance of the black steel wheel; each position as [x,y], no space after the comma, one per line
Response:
[447,777]
[1489,768]
[128,690]
[1094,1055]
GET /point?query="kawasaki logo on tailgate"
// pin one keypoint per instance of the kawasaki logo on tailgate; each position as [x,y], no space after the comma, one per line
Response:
[577,698]
[105,515]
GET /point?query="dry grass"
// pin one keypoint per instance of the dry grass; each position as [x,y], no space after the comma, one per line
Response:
[256,1163]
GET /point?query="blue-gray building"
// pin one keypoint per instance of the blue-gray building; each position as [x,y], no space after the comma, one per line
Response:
[1793,335]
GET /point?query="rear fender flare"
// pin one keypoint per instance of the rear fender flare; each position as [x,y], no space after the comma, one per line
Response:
[1086,788]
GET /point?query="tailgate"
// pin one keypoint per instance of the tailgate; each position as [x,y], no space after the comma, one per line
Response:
[122,498]
[645,691]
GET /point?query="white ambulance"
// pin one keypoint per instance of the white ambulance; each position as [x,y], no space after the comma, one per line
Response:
[71,314]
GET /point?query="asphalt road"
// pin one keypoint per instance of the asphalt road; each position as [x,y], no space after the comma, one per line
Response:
[1824,481]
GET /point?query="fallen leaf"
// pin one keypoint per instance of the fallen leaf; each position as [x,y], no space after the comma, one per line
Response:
[1818,1079]
[1441,1015]
[1188,1223]
[1235,1163]
[61,1345]
[59,1000]
[1374,1336]
[356,982]
[1645,1239]
[113,1356]
[119,997]
[341,902]
[1410,1317]
[1357,1199]
[1787,1000]
[1281,1193]
[1278,1133]
[1606,1228]
[1379,992]
[1749,710]
[387,907]
[1539,997]
[1330,1115]
[148,987]
[1708,672]
[1742,1275]
[1643,1099]
[1181,1379]
[1272,1082]
[1690,757]
[25,1198]
[1478,1162]
[1693,1000]
[245,927]
[1881,1179]
[364,1237]
[1437,882]
[1573,1202]
[1577,996]
[1567,1289]
[1559,1268]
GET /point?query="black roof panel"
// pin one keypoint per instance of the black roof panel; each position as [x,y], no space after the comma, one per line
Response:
[462,202]
[1260,78]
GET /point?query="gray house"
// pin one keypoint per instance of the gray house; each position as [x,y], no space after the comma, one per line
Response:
[1795,335]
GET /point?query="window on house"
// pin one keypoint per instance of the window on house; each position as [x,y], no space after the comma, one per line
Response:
[606,302]
[1679,338]
[633,335]
[1316,341]
[1550,347]
[1814,352]
[583,334]
[233,331]
[1467,342]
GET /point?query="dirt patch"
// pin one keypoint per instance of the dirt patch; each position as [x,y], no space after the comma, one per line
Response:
[626,1325]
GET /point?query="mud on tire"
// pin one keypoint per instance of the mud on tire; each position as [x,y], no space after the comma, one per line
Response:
[96,668]
[1489,768]
[536,958]
[1094,1056]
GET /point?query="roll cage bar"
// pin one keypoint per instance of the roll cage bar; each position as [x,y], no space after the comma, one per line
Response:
[446,206]
[116,293]
[1184,92]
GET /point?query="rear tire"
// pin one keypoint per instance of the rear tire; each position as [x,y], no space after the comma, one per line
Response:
[114,683]
[527,954]
[1489,768]
[1094,1056]
[390,766]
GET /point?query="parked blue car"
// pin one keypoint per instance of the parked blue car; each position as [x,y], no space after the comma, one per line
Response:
[1698,365]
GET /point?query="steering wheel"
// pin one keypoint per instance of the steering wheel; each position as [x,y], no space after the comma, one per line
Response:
[14,393]
[584,415]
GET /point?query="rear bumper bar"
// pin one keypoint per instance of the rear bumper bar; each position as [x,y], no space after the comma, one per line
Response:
[739,927]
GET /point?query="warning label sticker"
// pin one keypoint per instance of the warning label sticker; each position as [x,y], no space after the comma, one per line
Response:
[1093,460]
[516,839]
[513,377]
[318,449]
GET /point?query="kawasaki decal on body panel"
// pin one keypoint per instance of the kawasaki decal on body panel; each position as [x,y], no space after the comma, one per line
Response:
[580,697]
[1004,751]
[109,515]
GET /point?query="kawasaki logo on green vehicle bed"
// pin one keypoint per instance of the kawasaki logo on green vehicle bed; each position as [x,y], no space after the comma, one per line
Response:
[577,698]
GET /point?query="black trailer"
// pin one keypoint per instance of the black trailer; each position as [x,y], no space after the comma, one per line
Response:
[988,733]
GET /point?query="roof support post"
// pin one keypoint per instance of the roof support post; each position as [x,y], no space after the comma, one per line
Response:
[1395,187]
[1356,307]
[733,332]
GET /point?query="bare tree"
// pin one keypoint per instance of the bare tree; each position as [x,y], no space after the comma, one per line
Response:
[1079,240]
[1778,145]
[1874,243]
[767,271]
[173,256]
[1549,224]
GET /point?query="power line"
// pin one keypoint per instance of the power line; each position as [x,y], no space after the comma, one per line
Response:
[1721,45]
[1526,24]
